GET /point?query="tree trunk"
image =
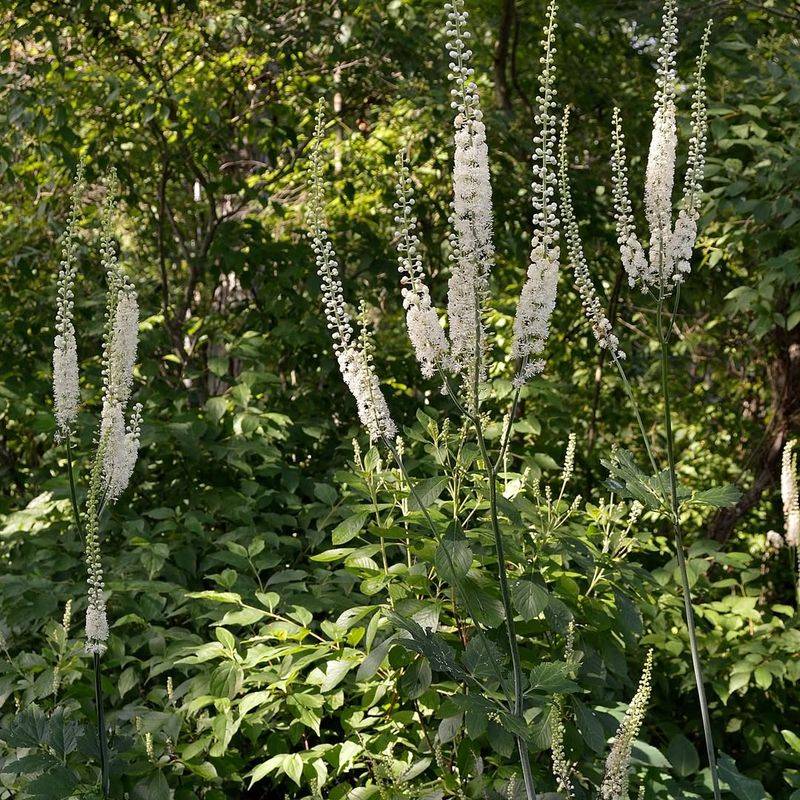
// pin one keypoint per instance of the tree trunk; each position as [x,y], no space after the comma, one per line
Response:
[784,380]
[501,93]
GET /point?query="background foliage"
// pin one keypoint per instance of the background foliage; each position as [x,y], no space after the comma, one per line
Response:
[246,564]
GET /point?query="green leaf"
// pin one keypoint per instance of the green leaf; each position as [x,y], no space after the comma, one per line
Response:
[29,728]
[484,608]
[226,680]
[293,767]
[349,528]
[153,787]
[453,559]
[551,677]
[683,756]
[646,754]
[449,727]
[743,787]
[56,784]
[426,493]
[589,727]
[529,599]
[370,665]
[718,497]
[792,739]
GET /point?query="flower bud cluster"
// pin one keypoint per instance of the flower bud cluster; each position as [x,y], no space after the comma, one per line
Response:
[66,392]
[601,326]
[616,778]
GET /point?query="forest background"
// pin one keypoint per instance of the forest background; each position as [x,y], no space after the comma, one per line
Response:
[205,110]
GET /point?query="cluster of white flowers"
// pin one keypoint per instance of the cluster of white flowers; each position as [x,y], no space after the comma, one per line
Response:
[120,344]
[668,260]
[471,219]
[633,258]
[616,778]
[790,494]
[354,356]
[601,326]
[538,297]
[66,393]
[422,320]
[117,445]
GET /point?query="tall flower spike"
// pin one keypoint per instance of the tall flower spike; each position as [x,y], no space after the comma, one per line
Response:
[120,344]
[96,620]
[355,363]
[66,393]
[562,769]
[591,303]
[631,251]
[685,233]
[616,778]
[538,297]
[471,240]
[422,320]
[790,494]
[660,175]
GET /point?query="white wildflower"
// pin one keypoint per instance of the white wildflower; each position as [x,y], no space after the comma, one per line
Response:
[660,175]
[616,778]
[790,494]
[426,334]
[601,326]
[633,257]
[355,363]
[569,459]
[774,540]
[66,393]
[471,240]
[685,233]
[123,345]
[538,297]
[121,449]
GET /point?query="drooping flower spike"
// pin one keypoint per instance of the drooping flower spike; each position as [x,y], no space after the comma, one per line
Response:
[353,355]
[422,320]
[601,326]
[538,297]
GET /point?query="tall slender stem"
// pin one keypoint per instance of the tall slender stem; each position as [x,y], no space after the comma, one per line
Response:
[687,597]
[101,726]
[72,491]
[516,666]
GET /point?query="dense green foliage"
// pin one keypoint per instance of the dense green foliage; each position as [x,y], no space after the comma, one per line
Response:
[262,567]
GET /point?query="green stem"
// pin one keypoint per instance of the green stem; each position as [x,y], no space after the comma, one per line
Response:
[72,491]
[101,726]
[687,597]
[516,666]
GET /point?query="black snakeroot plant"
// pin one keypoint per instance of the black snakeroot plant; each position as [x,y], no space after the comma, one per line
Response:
[659,272]
[116,439]
[460,359]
